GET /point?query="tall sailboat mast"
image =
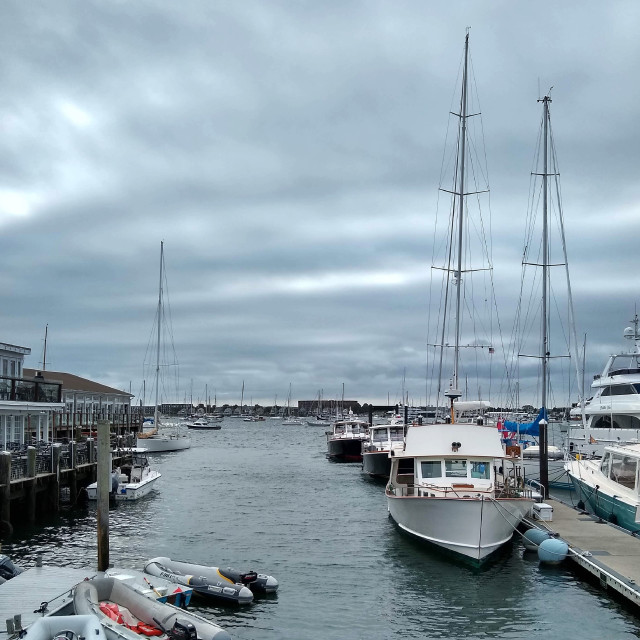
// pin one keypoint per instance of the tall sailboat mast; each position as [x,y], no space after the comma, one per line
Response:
[454,391]
[44,352]
[155,411]
[544,461]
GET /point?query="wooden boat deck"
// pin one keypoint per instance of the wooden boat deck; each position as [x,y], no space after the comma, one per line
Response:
[609,553]
[27,592]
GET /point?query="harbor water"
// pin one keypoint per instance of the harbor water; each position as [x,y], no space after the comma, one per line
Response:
[263,496]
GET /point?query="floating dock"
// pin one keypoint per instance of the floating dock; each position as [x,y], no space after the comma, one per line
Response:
[37,592]
[608,552]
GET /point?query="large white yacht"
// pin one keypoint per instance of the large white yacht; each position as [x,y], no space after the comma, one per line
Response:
[613,413]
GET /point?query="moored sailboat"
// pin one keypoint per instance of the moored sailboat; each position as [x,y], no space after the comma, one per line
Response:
[159,437]
[453,485]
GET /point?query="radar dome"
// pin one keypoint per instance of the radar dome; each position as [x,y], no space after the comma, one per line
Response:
[629,333]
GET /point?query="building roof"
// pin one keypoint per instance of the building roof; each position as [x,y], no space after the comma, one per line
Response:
[13,348]
[75,383]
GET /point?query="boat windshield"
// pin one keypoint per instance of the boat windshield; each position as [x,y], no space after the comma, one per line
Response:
[431,469]
[455,468]
[620,468]
[397,434]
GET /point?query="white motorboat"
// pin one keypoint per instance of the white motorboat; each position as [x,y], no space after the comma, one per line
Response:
[130,481]
[65,628]
[445,488]
[383,438]
[203,424]
[609,487]
[126,614]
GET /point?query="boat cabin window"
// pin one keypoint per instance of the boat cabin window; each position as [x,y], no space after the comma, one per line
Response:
[397,434]
[618,390]
[480,469]
[379,435]
[339,429]
[623,470]
[431,469]
[619,422]
[455,468]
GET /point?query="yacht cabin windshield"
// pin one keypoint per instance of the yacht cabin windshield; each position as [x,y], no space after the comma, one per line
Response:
[455,469]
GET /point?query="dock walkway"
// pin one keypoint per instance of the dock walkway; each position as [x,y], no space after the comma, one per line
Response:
[29,591]
[609,553]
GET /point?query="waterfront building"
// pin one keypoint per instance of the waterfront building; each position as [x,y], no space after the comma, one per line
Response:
[28,403]
[85,402]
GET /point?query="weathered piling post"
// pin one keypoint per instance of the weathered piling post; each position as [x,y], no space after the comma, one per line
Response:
[53,505]
[30,487]
[104,486]
[5,490]
[370,415]
[73,473]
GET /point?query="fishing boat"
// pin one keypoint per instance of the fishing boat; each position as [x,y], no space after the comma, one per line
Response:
[126,614]
[161,437]
[229,585]
[64,628]
[345,440]
[131,481]
[609,487]
[376,450]
[454,485]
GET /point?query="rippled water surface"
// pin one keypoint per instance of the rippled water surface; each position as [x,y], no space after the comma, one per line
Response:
[263,496]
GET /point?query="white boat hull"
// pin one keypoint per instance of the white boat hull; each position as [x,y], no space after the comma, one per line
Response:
[130,490]
[155,444]
[469,527]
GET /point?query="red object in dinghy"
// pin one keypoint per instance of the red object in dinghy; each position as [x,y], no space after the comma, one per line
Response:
[112,610]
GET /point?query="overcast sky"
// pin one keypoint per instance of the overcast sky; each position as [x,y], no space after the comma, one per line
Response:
[289,155]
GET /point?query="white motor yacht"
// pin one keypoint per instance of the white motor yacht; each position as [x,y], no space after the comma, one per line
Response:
[383,438]
[613,413]
[446,488]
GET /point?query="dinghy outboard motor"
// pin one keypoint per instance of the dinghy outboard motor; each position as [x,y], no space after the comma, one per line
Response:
[115,481]
[182,630]
[8,570]
[249,577]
